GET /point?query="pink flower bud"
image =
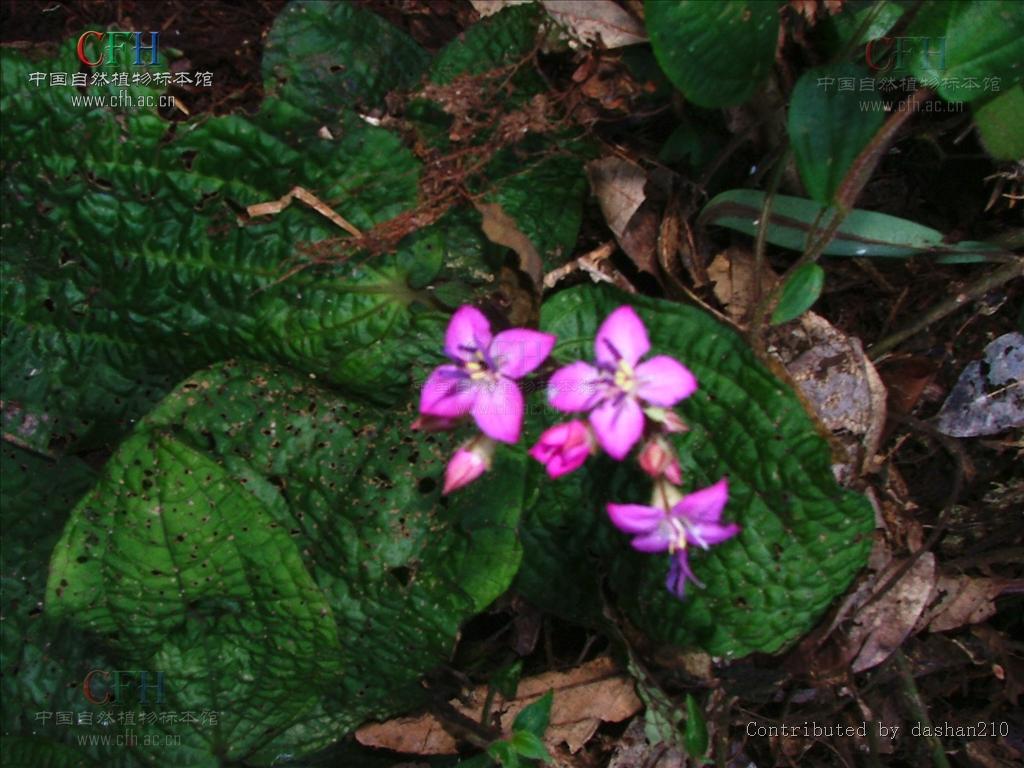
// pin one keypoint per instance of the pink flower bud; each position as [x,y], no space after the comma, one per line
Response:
[563,447]
[658,459]
[471,460]
[429,423]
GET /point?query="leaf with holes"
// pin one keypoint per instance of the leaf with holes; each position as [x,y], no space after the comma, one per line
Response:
[287,553]
[803,537]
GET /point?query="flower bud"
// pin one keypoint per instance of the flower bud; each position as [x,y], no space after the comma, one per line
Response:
[471,460]
[563,447]
[658,459]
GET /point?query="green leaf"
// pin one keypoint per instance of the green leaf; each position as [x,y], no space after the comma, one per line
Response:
[325,56]
[799,293]
[506,680]
[969,49]
[695,739]
[530,746]
[287,553]
[715,53]
[504,753]
[803,537]
[862,233]
[496,41]
[535,717]
[999,122]
[829,127]
[36,752]
[883,14]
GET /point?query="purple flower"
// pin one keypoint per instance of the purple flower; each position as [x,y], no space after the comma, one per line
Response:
[481,379]
[471,460]
[694,519]
[617,389]
[563,448]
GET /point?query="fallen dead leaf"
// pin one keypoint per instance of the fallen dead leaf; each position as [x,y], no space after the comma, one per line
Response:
[989,395]
[621,189]
[882,626]
[963,600]
[500,228]
[839,381]
[597,21]
[733,275]
[584,697]
[490,7]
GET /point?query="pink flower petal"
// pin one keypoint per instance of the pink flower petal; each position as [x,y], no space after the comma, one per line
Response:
[705,535]
[464,467]
[447,392]
[468,330]
[575,387]
[498,410]
[678,573]
[664,381]
[621,335]
[651,542]
[705,505]
[618,425]
[518,351]
[635,518]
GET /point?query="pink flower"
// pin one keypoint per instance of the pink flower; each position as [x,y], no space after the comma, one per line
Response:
[563,448]
[471,460]
[694,519]
[617,389]
[481,378]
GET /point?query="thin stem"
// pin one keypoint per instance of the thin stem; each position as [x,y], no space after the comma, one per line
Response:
[917,708]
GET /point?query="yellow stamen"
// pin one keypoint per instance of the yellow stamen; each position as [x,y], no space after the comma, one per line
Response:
[624,379]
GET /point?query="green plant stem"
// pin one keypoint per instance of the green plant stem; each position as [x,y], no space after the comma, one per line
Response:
[763,305]
[979,288]
[917,707]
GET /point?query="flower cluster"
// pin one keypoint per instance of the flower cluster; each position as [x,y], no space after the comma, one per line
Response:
[626,399]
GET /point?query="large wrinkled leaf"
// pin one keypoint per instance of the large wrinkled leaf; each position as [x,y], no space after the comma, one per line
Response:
[497,41]
[326,56]
[715,53]
[829,127]
[127,264]
[862,233]
[803,536]
[967,50]
[43,661]
[999,122]
[286,553]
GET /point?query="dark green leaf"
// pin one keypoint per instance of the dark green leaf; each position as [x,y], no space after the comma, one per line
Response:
[862,233]
[970,50]
[322,57]
[829,127]
[999,124]
[504,753]
[799,293]
[535,718]
[715,53]
[696,737]
[494,42]
[506,680]
[803,537]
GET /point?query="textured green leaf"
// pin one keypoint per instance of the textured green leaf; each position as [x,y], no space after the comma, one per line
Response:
[497,41]
[325,56]
[293,555]
[803,536]
[829,127]
[862,233]
[715,53]
[43,661]
[696,736]
[999,124]
[126,264]
[799,293]
[969,49]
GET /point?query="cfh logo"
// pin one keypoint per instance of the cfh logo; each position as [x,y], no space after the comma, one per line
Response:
[890,53]
[96,48]
[103,687]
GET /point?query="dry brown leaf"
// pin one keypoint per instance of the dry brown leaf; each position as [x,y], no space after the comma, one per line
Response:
[303,195]
[732,273]
[584,697]
[600,21]
[963,600]
[500,228]
[490,7]
[882,626]
[619,187]
[839,381]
